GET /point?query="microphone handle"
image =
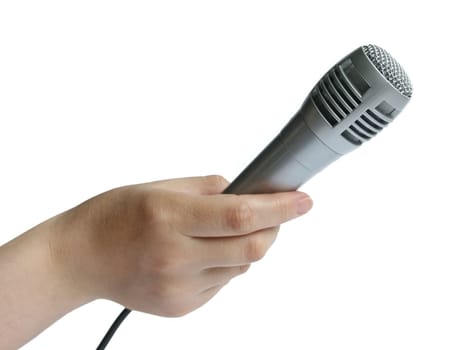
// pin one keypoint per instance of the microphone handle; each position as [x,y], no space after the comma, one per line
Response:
[289,161]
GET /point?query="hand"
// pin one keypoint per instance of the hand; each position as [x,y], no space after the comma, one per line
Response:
[168,247]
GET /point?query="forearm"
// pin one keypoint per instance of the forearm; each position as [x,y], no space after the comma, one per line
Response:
[34,291]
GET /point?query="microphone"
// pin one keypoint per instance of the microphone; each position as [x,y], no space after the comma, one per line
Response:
[352,103]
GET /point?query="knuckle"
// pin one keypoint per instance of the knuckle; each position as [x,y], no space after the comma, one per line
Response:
[177,312]
[172,306]
[154,211]
[148,207]
[284,210]
[240,218]
[169,261]
[164,265]
[217,182]
[243,269]
[255,248]
[275,230]
[166,291]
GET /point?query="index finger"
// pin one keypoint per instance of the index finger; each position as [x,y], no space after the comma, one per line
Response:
[233,215]
[211,184]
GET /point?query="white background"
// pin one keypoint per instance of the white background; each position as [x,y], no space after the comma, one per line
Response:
[98,94]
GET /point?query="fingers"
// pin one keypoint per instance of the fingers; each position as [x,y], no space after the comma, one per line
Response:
[204,185]
[233,215]
[189,303]
[206,296]
[220,275]
[236,250]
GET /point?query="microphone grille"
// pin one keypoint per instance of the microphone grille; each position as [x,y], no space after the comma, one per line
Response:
[389,68]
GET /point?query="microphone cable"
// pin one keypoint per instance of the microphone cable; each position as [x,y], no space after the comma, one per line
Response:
[113,328]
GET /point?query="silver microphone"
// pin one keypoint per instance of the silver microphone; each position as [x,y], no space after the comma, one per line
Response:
[353,101]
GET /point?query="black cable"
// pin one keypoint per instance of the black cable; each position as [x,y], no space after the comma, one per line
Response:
[102,345]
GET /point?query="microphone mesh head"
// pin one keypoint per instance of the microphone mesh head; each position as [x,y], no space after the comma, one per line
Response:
[389,68]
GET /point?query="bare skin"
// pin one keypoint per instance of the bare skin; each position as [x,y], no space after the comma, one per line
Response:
[164,248]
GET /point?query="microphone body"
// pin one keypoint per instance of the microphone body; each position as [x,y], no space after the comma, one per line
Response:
[290,160]
[352,102]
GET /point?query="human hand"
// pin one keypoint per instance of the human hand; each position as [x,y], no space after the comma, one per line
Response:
[167,247]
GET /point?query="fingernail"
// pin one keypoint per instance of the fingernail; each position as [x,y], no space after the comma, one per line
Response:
[304,204]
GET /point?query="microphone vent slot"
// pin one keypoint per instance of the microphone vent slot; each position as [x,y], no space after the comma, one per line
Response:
[365,127]
[335,96]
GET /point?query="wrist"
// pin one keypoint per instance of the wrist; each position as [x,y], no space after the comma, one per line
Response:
[69,259]
[36,289]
